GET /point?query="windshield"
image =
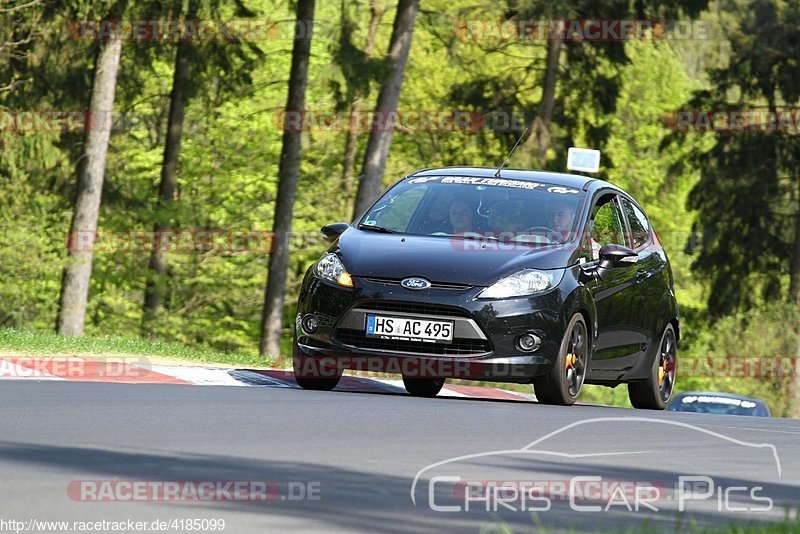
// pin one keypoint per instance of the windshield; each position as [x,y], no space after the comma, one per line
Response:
[486,208]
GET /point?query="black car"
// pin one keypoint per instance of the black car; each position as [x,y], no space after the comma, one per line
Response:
[718,403]
[514,276]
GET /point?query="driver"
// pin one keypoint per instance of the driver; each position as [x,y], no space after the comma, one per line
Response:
[562,215]
[437,217]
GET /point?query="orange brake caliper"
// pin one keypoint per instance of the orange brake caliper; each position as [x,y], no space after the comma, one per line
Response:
[570,360]
[662,370]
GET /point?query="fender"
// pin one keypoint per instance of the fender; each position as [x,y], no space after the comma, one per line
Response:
[580,298]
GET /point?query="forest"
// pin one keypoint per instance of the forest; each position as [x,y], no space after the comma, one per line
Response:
[166,166]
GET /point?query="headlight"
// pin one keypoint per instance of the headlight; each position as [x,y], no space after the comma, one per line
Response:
[330,268]
[523,283]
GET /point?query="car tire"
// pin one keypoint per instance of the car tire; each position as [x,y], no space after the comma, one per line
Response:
[423,387]
[564,383]
[307,373]
[655,391]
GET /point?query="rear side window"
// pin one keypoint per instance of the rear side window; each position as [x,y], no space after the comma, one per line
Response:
[640,226]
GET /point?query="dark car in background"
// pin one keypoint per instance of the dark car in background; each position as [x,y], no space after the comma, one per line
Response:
[718,403]
[514,276]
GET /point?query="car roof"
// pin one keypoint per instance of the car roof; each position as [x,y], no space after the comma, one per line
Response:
[717,394]
[555,178]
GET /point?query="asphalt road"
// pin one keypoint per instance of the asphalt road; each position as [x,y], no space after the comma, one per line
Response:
[356,455]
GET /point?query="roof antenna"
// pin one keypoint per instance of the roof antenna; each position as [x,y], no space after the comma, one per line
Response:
[497,174]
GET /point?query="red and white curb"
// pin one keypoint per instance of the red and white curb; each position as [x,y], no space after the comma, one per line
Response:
[121,371]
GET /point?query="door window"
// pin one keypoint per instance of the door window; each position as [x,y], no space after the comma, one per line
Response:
[608,226]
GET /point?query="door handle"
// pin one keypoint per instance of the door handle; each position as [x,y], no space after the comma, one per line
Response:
[641,273]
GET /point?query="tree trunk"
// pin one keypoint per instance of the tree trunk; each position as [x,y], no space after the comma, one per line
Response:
[539,140]
[380,139]
[350,153]
[272,317]
[351,138]
[794,283]
[156,281]
[78,271]
[793,402]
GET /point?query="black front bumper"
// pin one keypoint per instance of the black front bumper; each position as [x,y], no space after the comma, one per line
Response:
[484,345]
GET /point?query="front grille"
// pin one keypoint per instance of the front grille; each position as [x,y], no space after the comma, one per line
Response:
[434,285]
[467,341]
[459,347]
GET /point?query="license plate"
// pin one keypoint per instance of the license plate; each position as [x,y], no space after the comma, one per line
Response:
[409,329]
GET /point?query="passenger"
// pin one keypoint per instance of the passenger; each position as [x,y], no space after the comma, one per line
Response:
[462,217]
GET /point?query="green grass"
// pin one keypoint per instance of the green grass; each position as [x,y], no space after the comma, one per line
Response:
[32,343]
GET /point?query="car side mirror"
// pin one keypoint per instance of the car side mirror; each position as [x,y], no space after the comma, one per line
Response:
[334,230]
[617,256]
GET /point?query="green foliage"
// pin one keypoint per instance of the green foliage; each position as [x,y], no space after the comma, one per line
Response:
[742,188]
[747,198]
[770,331]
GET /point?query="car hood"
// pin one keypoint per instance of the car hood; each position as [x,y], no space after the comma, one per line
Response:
[440,259]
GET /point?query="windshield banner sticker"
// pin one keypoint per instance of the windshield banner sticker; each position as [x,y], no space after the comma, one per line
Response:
[498,182]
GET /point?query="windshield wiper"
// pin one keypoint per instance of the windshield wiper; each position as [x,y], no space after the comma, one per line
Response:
[495,238]
[374,228]
[473,236]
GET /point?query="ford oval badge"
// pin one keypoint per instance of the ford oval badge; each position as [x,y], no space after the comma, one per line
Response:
[415,283]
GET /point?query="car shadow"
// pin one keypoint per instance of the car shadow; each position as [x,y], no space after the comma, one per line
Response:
[352,500]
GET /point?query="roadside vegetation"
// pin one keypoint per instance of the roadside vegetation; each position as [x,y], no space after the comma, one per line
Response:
[45,344]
